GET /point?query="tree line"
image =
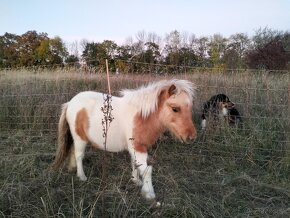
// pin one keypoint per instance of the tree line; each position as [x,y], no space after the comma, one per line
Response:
[266,49]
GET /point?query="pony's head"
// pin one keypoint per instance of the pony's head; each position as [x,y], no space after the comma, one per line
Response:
[175,111]
[163,105]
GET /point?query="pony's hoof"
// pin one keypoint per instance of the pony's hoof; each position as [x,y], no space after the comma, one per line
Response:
[149,196]
[83,178]
[156,204]
[137,182]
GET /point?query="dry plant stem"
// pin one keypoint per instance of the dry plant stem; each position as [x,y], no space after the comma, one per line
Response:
[107,112]
[108,77]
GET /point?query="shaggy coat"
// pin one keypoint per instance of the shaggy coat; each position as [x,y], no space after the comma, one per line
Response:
[140,116]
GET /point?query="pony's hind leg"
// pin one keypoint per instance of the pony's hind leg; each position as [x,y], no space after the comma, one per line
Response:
[72,164]
[80,147]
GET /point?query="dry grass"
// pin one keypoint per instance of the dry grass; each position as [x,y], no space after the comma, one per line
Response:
[227,172]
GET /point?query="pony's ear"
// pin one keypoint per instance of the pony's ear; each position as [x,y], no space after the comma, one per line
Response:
[172,90]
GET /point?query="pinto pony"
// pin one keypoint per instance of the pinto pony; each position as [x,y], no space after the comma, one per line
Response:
[141,116]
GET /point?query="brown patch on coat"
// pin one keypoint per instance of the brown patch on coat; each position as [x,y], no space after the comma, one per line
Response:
[82,127]
[147,131]
[188,127]
[82,124]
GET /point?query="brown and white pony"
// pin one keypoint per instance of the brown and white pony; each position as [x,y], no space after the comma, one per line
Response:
[141,116]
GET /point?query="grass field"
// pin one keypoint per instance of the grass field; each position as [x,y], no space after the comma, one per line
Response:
[226,172]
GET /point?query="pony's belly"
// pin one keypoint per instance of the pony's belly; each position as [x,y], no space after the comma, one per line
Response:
[119,130]
[110,145]
[113,147]
[114,142]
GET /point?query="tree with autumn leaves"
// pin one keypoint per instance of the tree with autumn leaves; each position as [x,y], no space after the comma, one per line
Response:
[267,49]
[31,49]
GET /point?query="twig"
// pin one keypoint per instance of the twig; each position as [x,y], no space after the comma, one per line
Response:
[108,118]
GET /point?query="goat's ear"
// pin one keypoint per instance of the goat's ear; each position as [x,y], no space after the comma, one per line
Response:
[172,90]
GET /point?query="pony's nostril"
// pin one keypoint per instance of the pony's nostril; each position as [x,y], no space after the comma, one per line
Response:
[190,138]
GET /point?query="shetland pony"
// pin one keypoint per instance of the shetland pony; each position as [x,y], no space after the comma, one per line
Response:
[140,116]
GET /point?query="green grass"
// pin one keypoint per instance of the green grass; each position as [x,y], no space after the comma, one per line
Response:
[226,172]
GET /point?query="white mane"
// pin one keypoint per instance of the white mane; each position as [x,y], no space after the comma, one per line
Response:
[145,98]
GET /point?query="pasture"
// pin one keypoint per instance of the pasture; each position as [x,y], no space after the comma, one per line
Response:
[226,172]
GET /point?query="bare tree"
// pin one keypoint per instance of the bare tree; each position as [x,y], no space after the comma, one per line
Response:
[202,47]
[236,48]
[73,48]
[173,40]
[154,38]
[141,36]
[83,44]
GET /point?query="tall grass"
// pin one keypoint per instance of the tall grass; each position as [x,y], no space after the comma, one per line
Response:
[227,172]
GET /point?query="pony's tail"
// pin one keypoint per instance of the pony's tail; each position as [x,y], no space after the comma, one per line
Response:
[64,140]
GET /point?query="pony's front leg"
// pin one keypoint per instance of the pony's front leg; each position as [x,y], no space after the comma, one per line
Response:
[135,174]
[145,171]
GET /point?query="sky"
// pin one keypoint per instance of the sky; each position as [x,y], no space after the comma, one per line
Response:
[117,20]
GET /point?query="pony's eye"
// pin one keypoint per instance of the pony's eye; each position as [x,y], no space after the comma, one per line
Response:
[175,109]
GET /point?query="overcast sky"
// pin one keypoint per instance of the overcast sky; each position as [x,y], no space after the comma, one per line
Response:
[119,19]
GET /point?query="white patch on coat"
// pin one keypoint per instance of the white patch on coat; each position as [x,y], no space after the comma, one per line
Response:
[225,111]
[203,124]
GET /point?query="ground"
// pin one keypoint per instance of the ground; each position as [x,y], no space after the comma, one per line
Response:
[226,172]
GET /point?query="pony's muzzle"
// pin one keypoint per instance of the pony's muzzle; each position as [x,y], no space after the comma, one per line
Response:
[188,140]
[190,137]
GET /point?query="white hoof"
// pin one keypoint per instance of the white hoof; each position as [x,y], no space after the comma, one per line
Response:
[157,204]
[83,178]
[137,182]
[148,195]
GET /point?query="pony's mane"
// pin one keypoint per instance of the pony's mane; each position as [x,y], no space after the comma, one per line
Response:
[145,98]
